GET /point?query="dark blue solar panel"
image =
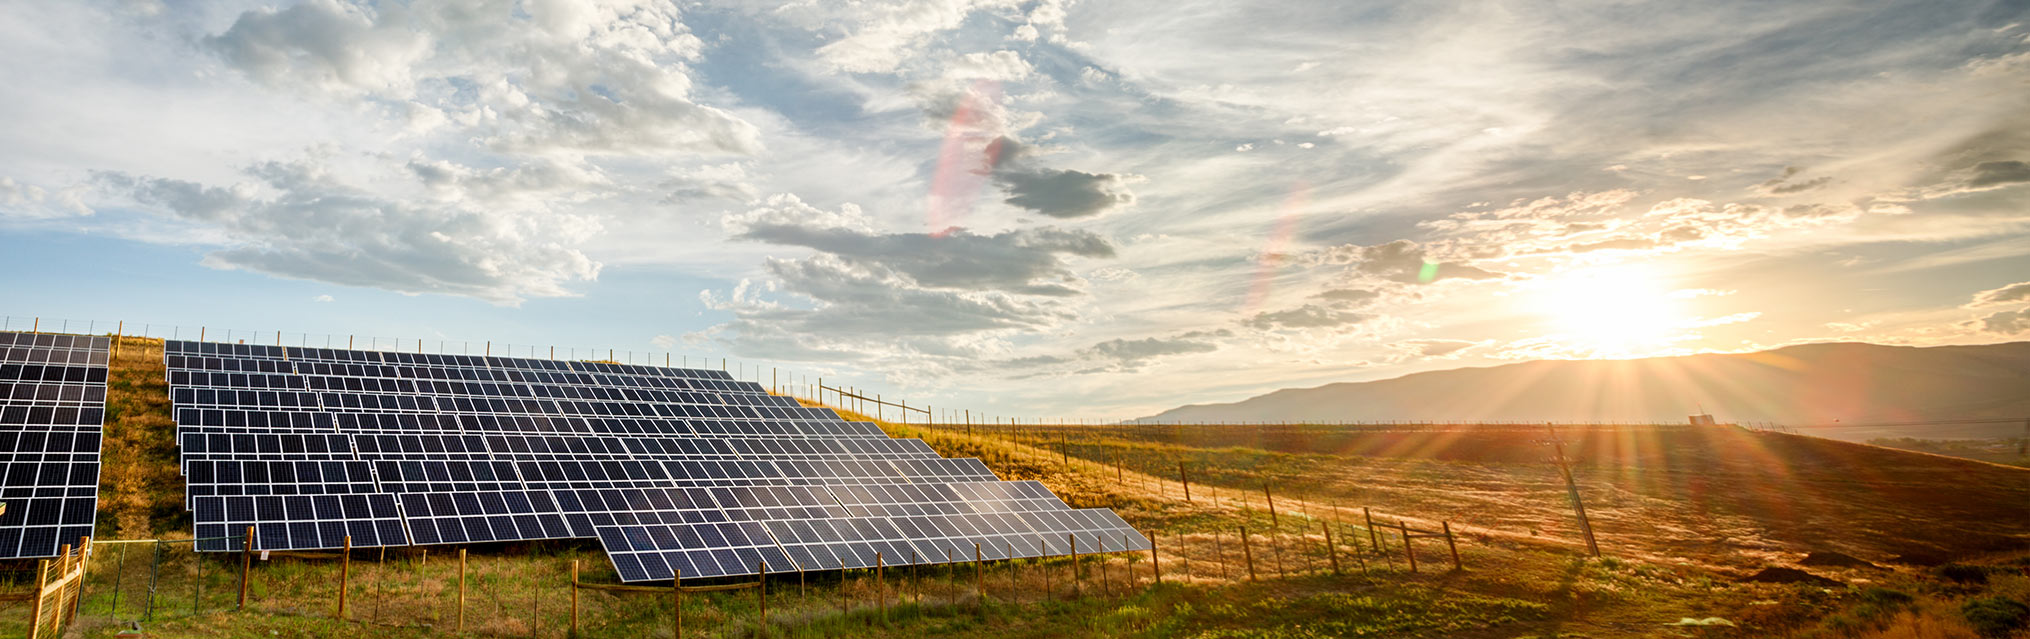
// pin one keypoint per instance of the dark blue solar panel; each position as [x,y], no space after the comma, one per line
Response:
[52,408]
[671,469]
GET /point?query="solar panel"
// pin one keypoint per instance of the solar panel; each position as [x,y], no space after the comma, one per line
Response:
[52,408]
[668,468]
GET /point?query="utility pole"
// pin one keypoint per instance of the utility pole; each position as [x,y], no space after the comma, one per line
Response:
[1572,487]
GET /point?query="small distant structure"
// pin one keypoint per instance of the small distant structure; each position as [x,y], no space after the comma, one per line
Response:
[1704,418]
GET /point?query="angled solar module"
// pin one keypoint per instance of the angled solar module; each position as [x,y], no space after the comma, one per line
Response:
[52,408]
[670,469]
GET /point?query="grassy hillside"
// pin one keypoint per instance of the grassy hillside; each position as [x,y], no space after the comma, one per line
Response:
[1674,514]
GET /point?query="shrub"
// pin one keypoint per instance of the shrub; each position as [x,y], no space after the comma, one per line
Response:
[1885,597]
[1995,616]
[1964,573]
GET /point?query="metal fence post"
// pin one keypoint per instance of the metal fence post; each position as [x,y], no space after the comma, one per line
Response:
[119,572]
[154,574]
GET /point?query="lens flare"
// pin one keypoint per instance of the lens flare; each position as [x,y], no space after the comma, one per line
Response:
[972,148]
[1272,251]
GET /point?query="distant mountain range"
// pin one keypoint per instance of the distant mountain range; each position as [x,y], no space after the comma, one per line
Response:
[1828,389]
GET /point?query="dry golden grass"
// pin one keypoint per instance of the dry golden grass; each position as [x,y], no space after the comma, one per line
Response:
[1522,578]
[140,488]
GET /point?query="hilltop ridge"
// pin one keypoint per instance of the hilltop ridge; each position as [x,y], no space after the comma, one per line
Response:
[1805,384]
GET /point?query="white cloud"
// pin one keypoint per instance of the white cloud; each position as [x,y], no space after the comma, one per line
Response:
[564,78]
[298,220]
[2017,292]
[31,201]
[1000,66]
[882,34]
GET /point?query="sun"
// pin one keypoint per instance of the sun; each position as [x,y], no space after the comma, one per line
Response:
[1610,311]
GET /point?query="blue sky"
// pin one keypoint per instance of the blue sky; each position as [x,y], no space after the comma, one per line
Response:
[1034,208]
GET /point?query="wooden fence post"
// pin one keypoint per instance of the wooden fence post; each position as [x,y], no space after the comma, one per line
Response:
[880,587]
[461,589]
[762,629]
[574,597]
[1155,563]
[1372,539]
[1409,549]
[344,576]
[1219,553]
[1454,547]
[1013,587]
[35,609]
[1043,552]
[62,570]
[979,576]
[1330,551]
[1106,585]
[246,565]
[1274,521]
[1077,580]
[677,603]
[1185,479]
[1248,552]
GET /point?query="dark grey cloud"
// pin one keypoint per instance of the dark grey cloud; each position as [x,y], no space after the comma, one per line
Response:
[1989,174]
[1135,351]
[1023,261]
[1402,261]
[1438,347]
[316,228]
[721,182]
[1117,355]
[1307,316]
[854,300]
[1059,193]
[1784,185]
[2006,322]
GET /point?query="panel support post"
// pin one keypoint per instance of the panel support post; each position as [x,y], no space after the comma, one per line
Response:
[246,565]
[461,589]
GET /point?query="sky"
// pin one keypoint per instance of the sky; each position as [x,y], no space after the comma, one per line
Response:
[1034,209]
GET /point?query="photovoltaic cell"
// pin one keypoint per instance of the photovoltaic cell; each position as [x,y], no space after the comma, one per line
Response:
[670,469]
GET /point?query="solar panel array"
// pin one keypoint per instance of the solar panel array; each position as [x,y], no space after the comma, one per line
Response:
[670,469]
[52,407]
